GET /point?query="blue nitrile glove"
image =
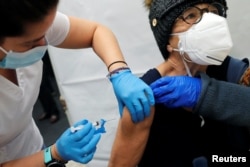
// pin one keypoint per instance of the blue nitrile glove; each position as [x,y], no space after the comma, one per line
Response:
[78,145]
[133,93]
[178,91]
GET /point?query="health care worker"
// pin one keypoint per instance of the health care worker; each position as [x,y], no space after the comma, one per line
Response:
[28,27]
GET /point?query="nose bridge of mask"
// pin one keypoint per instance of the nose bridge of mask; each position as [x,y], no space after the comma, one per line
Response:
[29,53]
[35,48]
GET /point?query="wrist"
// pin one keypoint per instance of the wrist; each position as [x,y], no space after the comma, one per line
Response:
[52,159]
[116,64]
[55,154]
[117,71]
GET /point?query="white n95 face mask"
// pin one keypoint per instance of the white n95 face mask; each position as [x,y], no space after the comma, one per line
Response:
[14,60]
[207,42]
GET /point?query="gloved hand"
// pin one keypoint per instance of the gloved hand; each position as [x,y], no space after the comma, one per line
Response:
[80,145]
[178,91]
[133,93]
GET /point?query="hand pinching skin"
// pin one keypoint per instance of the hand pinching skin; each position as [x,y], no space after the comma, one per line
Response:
[133,93]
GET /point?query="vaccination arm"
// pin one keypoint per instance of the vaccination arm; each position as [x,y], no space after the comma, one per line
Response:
[79,146]
[130,141]
[131,138]
[130,91]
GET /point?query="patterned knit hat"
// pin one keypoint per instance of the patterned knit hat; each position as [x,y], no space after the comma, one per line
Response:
[163,14]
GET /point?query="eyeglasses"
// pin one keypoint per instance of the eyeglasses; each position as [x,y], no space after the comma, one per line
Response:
[193,15]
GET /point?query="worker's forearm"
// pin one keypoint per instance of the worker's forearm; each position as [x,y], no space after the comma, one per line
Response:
[34,160]
[107,47]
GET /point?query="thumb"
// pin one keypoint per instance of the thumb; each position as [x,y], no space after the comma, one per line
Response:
[121,106]
[160,82]
[150,95]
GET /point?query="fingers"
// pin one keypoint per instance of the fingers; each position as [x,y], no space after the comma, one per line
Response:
[132,110]
[140,106]
[138,113]
[82,122]
[83,133]
[87,152]
[161,82]
[146,107]
[79,145]
[163,90]
[133,93]
[150,96]
[121,106]
[85,159]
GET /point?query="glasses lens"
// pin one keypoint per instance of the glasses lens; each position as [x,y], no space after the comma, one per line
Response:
[217,8]
[191,15]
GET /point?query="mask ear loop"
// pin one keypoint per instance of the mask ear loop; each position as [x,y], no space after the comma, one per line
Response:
[3,50]
[183,58]
[186,66]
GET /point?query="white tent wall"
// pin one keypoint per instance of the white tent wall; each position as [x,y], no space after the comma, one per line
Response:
[81,75]
[239,24]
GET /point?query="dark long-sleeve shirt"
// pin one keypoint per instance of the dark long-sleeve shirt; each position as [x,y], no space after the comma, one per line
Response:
[225,101]
[177,136]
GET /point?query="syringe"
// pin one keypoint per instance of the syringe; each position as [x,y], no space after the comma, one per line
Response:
[74,129]
[101,129]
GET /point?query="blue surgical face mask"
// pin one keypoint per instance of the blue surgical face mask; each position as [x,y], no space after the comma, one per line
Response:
[14,60]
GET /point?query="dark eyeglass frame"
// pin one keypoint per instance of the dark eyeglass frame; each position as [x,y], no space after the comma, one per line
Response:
[221,12]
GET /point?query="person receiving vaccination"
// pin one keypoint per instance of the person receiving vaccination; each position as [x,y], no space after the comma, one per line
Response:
[191,35]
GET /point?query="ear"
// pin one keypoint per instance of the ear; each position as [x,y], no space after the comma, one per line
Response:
[169,48]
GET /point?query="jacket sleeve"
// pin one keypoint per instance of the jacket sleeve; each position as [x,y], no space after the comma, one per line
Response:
[230,70]
[224,101]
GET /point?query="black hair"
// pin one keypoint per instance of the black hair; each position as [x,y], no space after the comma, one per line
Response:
[15,14]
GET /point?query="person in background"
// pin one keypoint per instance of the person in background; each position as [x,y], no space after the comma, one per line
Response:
[29,26]
[48,92]
[191,35]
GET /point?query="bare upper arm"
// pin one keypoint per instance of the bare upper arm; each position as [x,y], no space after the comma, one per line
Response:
[80,34]
[130,128]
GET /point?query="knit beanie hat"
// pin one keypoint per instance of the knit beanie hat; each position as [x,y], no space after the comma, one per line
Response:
[162,15]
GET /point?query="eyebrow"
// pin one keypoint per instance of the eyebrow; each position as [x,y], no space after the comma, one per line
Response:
[35,40]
